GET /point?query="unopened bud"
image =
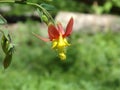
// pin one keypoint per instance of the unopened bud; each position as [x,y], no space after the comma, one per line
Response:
[62,56]
[44,19]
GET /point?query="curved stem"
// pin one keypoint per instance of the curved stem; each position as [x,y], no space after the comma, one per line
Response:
[43,9]
[31,4]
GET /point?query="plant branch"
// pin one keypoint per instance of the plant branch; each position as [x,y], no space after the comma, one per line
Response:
[30,4]
[43,9]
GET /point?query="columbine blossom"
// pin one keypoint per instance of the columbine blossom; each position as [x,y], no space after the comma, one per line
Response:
[58,36]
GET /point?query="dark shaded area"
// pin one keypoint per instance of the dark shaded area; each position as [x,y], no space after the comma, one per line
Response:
[115,10]
[22,18]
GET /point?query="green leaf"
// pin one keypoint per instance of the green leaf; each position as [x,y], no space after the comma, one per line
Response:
[11,47]
[8,57]
[7,60]
[48,7]
[4,44]
[7,47]
[6,41]
[2,20]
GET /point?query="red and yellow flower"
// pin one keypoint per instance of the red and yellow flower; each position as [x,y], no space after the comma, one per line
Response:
[58,36]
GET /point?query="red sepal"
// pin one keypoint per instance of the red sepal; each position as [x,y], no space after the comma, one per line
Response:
[60,28]
[69,28]
[53,32]
[41,38]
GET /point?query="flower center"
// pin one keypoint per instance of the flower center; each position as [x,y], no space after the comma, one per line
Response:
[60,44]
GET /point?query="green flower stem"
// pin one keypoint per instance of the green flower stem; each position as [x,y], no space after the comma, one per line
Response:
[31,4]
[43,9]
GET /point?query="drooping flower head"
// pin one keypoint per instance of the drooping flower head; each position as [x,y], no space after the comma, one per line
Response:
[58,36]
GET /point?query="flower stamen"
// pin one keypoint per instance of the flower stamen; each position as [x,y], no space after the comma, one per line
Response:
[60,45]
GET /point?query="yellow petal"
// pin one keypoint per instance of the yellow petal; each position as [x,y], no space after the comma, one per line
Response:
[60,45]
[54,44]
[62,42]
[62,56]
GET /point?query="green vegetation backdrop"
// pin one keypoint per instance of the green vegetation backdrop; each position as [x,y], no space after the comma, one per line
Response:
[84,6]
[93,61]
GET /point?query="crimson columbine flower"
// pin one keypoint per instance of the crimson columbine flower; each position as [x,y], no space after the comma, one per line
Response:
[58,37]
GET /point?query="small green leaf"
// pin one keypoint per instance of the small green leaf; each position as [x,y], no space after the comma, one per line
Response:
[2,20]
[11,48]
[6,41]
[4,44]
[8,57]
[7,47]
[48,7]
[7,60]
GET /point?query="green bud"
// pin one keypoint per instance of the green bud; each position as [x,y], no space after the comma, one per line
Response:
[4,44]
[44,19]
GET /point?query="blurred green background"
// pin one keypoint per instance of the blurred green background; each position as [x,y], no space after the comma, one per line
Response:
[93,60]
[84,6]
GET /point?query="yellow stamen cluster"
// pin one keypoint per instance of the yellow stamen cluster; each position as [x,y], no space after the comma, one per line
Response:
[60,44]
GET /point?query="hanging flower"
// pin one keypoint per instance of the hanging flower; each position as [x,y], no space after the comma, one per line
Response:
[58,37]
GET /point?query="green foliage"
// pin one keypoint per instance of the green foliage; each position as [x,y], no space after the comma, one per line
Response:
[97,7]
[48,7]
[2,20]
[7,47]
[92,6]
[6,41]
[93,62]
[104,8]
